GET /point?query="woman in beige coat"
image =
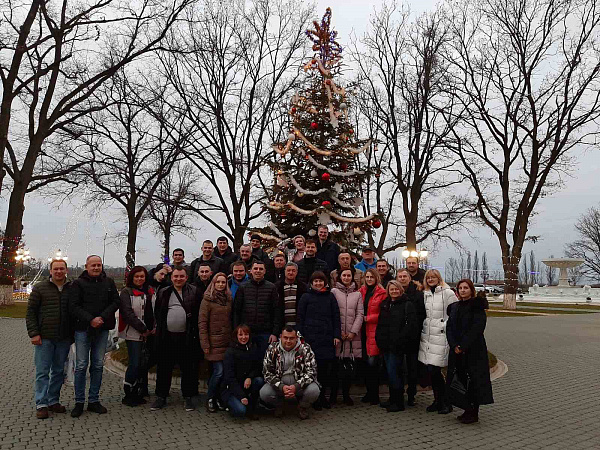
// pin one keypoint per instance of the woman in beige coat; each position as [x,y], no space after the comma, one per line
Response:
[214,323]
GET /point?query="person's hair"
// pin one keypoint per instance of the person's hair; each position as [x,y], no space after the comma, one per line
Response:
[385,261]
[299,236]
[222,238]
[131,274]
[204,263]
[207,241]
[344,252]
[289,329]
[470,284]
[246,246]
[394,283]
[257,261]
[54,260]
[318,275]
[245,328]
[238,263]
[281,255]
[179,250]
[93,256]
[435,273]
[416,283]
[211,289]
[178,267]
[375,274]
[416,258]
[310,241]
[323,226]
[291,264]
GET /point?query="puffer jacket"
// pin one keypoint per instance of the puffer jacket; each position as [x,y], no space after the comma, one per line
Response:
[257,305]
[372,317]
[91,297]
[308,266]
[434,348]
[352,314]
[329,252]
[135,313]
[240,362]
[305,364]
[319,322]
[214,323]
[228,258]
[48,311]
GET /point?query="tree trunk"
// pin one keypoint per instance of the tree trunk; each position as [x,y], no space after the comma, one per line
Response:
[12,238]
[131,241]
[238,237]
[411,233]
[510,264]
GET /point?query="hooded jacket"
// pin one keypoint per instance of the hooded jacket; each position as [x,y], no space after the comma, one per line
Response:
[305,364]
[48,311]
[352,314]
[363,265]
[91,297]
[234,285]
[214,323]
[434,348]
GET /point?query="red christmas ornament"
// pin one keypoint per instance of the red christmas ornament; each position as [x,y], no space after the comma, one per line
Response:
[328,82]
[306,157]
[326,203]
[376,223]
[344,166]
[325,176]
[282,214]
[377,175]
[314,125]
[294,110]
[351,131]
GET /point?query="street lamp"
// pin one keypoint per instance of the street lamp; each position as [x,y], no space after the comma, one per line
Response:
[419,254]
[58,256]
[22,257]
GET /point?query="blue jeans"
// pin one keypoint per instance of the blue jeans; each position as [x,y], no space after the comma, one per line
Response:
[89,344]
[393,365]
[215,379]
[134,350]
[49,359]
[237,408]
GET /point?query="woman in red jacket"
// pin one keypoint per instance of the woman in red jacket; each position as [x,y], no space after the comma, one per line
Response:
[373,294]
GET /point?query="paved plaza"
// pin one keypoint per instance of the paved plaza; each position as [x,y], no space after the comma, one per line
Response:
[550,398]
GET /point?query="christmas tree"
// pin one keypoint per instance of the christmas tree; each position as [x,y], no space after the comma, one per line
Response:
[316,173]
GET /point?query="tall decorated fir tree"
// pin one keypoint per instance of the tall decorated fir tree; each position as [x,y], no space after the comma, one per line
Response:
[316,173]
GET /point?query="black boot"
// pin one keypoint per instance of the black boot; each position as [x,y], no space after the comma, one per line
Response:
[130,398]
[411,392]
[470,416]
[333,396]
[435,405]
[445,407]
[396,401]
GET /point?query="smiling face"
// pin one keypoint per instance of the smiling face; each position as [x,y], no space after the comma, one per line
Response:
[346,277]
[288,340]
[290,273]
[258,271]
[239,272]
[204,273]
[370,279]
[245,252]
[222,245]
[207,250]
[58,272]
[432,280]
[464,291]
[344,259]
[404,278]
[243,336]
[299,244]
[394,292]
[311,249]
[382,268]
[139,279]
[318,284]
[179,277]
[255,243]
[177,257]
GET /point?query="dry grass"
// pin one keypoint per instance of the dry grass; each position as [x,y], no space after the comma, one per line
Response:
[17,310]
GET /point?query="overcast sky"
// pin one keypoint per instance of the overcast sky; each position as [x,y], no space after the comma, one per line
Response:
[77,233]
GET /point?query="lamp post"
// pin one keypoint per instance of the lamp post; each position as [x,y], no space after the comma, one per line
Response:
[420,254]
[22,257]
[58,256]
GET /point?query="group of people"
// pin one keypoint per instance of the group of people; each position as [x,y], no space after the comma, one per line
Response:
[290,327]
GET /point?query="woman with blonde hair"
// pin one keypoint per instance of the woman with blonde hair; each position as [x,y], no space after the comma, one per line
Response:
[214,323]
[434,348]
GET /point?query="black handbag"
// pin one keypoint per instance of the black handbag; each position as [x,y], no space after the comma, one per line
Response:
[346,366]
[458,389]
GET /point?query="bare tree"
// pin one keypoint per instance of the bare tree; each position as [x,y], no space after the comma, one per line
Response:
[529,82]
[534,269]
[51,61]
[126,152]
[587,244]
[168,207]
[231,67]
[484,268]
[524,272]
[404,84]
[550,273]
[476,268]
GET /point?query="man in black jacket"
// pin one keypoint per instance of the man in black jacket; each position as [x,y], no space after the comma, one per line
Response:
[261,255]
[93,302]
[327,250]
[176,314]
[416,273]
[383,269]
[225,252]
[178,260]
[257,305]
[310,263]
[48,327]
[205,275]
[279,261]
[290,289]
[208,256]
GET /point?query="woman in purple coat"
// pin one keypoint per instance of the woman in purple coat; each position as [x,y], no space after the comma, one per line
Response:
[352,313]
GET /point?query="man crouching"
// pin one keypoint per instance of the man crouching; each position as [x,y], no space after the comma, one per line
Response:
[290,371]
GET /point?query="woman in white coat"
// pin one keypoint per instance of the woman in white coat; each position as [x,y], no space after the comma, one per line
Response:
[434,348]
